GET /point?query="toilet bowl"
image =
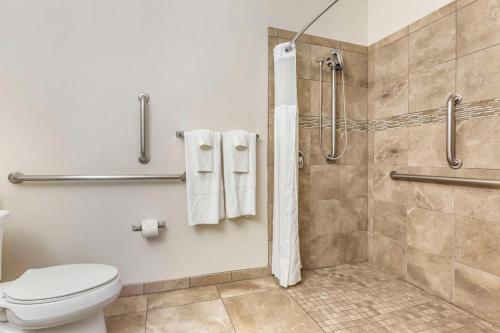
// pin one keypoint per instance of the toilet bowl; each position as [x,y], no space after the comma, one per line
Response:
[66,298]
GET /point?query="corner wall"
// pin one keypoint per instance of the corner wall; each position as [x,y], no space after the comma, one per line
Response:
[441,238]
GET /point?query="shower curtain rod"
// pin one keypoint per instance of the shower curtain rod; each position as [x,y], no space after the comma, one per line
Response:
[301,31]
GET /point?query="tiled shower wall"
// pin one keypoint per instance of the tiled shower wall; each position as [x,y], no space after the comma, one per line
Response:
[444,239]
[333,198]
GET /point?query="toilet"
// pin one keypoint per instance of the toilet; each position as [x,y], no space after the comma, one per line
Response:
[66,298]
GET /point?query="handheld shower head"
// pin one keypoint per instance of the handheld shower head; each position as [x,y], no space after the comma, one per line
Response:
[336,62]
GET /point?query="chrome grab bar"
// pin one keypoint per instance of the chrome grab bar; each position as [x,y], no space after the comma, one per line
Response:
[460,181]
[453,161]
[143,99]
[19,177]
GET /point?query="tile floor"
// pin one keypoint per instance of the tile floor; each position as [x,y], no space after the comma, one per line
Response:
[348,298]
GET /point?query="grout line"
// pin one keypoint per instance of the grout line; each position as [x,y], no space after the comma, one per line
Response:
[225,309]
[146,314]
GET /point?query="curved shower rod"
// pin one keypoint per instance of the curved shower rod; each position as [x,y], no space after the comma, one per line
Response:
[301,31]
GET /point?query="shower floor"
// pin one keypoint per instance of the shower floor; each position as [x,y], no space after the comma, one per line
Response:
[348,298]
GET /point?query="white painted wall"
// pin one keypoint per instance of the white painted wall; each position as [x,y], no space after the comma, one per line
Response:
[388,16]
[70,72]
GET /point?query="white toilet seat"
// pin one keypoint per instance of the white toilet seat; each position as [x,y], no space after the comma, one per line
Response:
[52,297]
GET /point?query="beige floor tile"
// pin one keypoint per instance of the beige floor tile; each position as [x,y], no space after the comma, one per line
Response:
[126,305]
[268,312]
[130,323]
[205,317]
[182,297]
[247,287]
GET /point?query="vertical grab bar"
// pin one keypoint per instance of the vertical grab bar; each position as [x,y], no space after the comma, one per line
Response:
[453,161]
[143,157]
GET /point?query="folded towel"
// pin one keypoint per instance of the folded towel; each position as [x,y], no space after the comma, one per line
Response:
[240,187]
[203,154]
[239,155]
[205,192]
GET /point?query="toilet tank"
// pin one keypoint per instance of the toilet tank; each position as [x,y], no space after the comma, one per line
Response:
[3,218]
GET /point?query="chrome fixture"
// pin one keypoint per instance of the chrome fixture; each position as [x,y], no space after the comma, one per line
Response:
[460,181]
[336,64]
[453,161]
[19,177]
[161,224]
[180,135]
[301,160]
[143,100]
[291,44]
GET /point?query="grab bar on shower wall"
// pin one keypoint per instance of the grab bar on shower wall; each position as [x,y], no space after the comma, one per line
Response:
[453,161]
[19,177]
[460,181]
[143,100]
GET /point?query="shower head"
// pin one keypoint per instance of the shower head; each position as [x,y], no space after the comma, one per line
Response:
[336,62]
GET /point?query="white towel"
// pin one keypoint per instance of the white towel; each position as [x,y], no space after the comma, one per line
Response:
[239,157]
[203,156]
[205,192]
[240,187]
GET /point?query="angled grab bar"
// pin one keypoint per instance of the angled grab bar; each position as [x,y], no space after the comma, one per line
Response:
[453,161]
[143,157]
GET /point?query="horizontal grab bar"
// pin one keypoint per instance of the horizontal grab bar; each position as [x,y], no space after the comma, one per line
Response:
[19,177]
[446,180]
[180,135]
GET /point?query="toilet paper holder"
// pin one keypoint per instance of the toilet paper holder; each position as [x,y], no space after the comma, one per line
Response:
[161,224]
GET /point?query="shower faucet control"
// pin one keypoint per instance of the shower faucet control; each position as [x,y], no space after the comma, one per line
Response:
[336,62]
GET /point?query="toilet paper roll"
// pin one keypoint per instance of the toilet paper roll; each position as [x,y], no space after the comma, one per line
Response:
[150,228]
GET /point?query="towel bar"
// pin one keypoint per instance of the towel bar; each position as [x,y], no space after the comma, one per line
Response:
[446,180]
[19,177]
[180,135]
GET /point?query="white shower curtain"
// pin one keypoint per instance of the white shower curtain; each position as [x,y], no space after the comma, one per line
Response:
[286,251]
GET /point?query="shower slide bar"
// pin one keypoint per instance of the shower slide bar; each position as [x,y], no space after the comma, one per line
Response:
[301,31]
[460,181]
[19,177]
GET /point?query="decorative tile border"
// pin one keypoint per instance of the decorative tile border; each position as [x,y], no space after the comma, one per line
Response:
[473,110]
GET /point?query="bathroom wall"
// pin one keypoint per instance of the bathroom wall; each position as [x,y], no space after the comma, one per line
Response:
[332,197]
[70,73]
[387,16]
[441,238]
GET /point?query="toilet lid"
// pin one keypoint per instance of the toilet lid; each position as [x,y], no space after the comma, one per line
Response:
[58,282]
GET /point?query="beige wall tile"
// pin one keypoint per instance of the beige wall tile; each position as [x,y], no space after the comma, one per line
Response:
[353,182]
[182,297]
[132,290]
[433,44]
[325,234]
[354,47]
[357,147]
[371,143]
[305,144]
[206,317]
[391,61]
[247,287]
[130,323]
[126,305]
[391,147]
[325,182]
[272,31]
[478,26]
[356,69]
[304,96]
[477,139]
[303,60]
[354,215]
[388,98]
[354,246]
[430,232]
[463,3]
[389,220]
[270,183]
[371,208]
[250,273]
[434,16]
[477,292]
[478,75]
[273,311]
[167,285]
[371,69]
[327,99]
[430,87]
[386,189]
[205,280]
[356,103]
[389,255]
[430,272]
[427,146]
[327,42]
[317,157]
[318,52]
[478,203]
[287,35]
[432,196]
[476,244]
[389,39]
